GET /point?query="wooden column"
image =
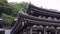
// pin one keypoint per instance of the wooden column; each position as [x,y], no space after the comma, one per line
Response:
[31,32]
[44,29]
[56,30]
[49,32]
[27,31]
[42,32]
[37,31]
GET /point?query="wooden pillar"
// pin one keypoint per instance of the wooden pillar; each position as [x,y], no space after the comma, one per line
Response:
[31,32]
[37,31]
[48,31]
[56,30]
[44,29]
[27,31]
[42,32]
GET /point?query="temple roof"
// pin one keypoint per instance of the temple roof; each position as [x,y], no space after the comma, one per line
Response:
[43,11]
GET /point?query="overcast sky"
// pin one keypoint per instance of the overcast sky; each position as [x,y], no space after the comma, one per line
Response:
[50,4]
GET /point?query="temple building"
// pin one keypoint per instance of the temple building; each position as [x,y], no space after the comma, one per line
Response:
[37,21]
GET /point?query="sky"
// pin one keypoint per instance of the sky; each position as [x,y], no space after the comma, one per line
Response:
[49,4]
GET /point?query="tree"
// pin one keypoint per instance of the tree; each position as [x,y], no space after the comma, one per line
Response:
[5,7]
[17,6]
[9,11]
[7,19]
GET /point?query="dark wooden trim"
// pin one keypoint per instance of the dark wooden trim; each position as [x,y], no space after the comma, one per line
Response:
[37,19]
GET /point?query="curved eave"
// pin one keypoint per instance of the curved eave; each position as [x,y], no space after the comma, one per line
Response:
[37,19]
[43,11]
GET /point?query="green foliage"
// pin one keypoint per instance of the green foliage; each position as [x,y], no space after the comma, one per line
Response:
[22,5]
[8,11]
[18,6]
[3,3]
[5,7]
[7,19]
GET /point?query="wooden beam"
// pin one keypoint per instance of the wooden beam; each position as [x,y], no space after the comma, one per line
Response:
[42,23]
[37,19]
[40,12]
